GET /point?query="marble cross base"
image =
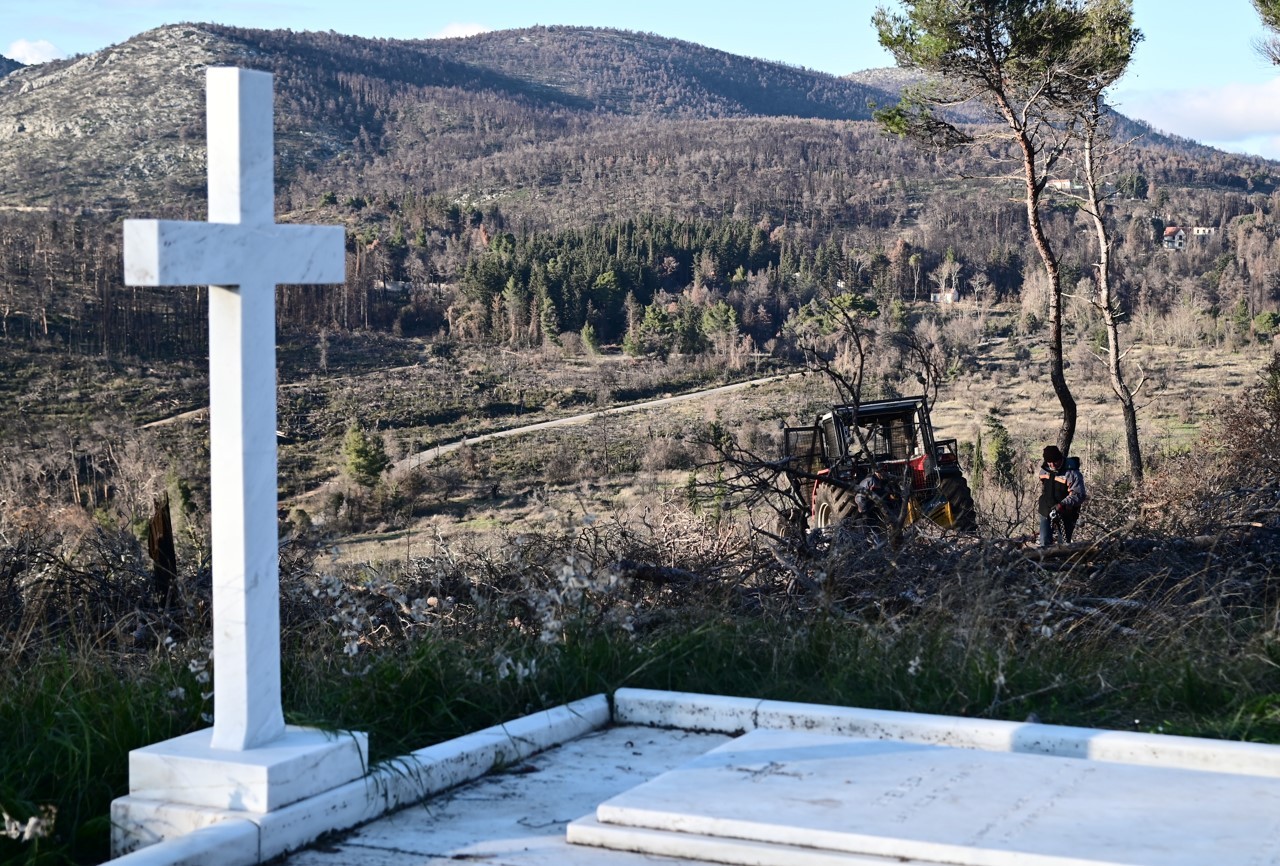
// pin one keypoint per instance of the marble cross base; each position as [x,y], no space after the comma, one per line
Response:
[183,784]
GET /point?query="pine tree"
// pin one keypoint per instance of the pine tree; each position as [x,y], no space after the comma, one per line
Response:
[999,453]
[589,341]
[1269,10]
[366,456]
[548,321]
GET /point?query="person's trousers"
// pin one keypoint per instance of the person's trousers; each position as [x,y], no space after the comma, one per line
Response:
[1064,530]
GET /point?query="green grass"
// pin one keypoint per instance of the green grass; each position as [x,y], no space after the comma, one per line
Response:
[70,720]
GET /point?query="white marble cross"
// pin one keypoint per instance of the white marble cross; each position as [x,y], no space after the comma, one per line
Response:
[242,254]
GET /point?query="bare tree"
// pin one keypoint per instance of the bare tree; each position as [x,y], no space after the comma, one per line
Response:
[1093,155]
[947,275]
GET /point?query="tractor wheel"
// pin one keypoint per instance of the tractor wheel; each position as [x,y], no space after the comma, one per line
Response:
[790,523]
[964,516]
[832,506]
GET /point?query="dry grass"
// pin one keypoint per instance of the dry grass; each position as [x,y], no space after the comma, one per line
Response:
[638,461]
[1163,619]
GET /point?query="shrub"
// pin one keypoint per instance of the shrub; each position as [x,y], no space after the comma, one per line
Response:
[1228,479]
[1265,325]
[366,456]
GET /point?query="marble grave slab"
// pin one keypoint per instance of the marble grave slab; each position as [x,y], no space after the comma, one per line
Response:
[814,797]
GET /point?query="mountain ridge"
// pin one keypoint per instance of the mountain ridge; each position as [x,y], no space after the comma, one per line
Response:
[120,125]
[123,127]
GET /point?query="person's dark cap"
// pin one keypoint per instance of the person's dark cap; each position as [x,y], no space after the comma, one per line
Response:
[1052,454]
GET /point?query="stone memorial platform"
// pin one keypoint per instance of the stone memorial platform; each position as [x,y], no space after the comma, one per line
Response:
[685,779]
[798,797]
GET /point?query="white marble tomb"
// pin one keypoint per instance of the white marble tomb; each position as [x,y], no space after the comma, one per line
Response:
[799,797]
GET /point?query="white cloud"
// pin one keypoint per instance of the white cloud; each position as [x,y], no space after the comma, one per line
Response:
[458,28]
[1232,116]
[29,52]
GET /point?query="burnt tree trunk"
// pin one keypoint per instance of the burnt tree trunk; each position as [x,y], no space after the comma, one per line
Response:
[164,558]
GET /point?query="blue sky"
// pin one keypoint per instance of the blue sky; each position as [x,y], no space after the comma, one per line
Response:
[1196,74]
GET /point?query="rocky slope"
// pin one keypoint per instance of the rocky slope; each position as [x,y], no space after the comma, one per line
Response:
[82,130]
[116,127]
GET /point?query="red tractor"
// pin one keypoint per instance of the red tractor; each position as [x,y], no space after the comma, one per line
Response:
[878,462]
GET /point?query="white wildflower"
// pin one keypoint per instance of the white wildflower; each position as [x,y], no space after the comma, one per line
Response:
[36,827]
[504,665]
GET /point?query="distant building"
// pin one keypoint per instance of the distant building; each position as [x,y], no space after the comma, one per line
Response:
[1175,237]
[1063,184]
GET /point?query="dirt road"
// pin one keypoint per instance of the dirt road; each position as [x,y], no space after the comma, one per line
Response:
[424,458]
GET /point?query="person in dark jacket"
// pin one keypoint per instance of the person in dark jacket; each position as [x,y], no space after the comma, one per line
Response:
[1061,495]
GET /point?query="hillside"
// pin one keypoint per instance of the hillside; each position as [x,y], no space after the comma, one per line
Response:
[7,65]
[475,118]
[117,126]
[893,80]
[641,73]
[528,183]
